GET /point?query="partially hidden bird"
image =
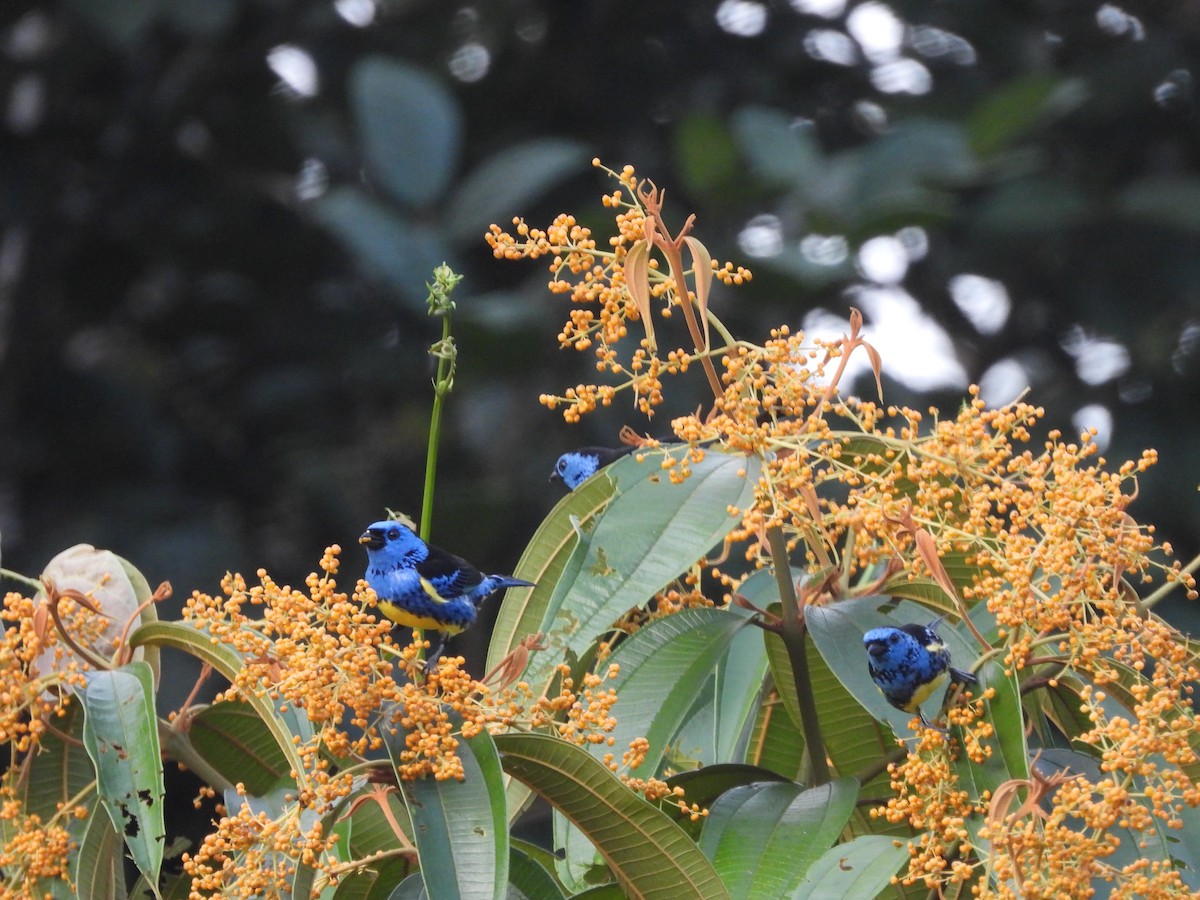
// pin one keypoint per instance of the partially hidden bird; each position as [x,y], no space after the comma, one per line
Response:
[909,663]
[575,467]
[422,586]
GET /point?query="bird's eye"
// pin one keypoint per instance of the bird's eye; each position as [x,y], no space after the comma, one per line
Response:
[393,534]
[893,637]
[561,465]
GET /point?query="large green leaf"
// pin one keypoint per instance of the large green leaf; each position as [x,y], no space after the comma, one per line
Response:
[1019,106]
[238,744]
[780,151]
[648,535]
[775,740]
[410,127]
[739,691]
[376,883]
[529,879]
[184,637]
[385,244]
[98,867]
[650,855]
[660,667]
[763,838]
[704,785]
[550,559]
[461,827]
[120,732]
[509,180]
[60,771]
[858,870]
[852,737]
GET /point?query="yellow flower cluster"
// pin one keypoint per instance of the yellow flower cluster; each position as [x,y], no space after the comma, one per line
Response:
[973,509]
[31,851]
[268,852]
[329,654]
[30,695]
[603,300]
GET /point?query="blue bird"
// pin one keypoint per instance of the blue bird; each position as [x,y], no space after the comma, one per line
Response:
[909,663]
[422,586]
[577,466]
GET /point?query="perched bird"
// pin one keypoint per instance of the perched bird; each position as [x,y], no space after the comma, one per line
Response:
[422,586]
[909,663]
[577,466]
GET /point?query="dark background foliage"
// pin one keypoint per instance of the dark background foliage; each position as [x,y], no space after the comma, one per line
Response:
[212,327]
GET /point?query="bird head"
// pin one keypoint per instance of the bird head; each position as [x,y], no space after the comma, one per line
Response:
[575,467]
[887,642]
[879,640]
[393,539]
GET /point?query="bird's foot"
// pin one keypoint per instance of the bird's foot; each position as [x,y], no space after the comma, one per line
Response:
[962,677]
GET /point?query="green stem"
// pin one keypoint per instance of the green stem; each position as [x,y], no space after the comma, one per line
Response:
[178,746]
[793,632]
[1151,601]
[24,579]
[440,389]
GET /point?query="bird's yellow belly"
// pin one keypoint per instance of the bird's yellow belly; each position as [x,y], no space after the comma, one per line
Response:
[402,616]
[923,692]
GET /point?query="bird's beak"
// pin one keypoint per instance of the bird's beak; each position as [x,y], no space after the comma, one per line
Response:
[876,649]
[371,539]
[554,476]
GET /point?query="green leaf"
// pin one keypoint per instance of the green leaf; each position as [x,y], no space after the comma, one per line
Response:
[461,827]
[781,151]
[188,639]
[1018,107]
[120,732]
[660,666]
[384,243]
[238,744]
[98,868]
[858,870]
[776,742]
[549,559]
[705,154]
[1170,200]
[368,830]
[852,737]
[763,838]
[507,181]
[376,883]
[529,879]
[649,854]
[60,771]
[739,691]
[410,127]
[148,612]
[649,534]
[704,785]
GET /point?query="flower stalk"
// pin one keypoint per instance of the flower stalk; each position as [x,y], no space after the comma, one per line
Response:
[445,351]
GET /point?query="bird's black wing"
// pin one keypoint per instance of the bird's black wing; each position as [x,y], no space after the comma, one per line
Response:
[450,575]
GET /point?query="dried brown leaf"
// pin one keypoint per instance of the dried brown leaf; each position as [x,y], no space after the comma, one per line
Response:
[637,282]
[702,273]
